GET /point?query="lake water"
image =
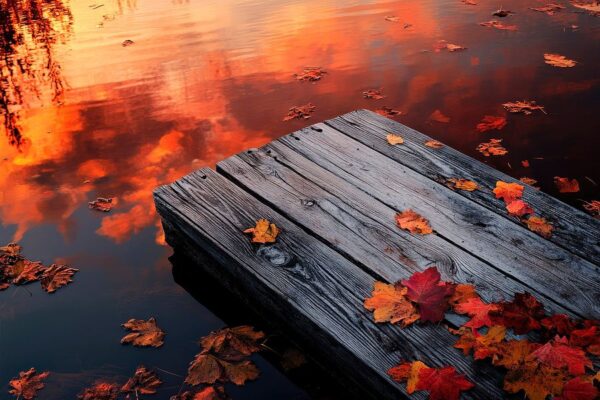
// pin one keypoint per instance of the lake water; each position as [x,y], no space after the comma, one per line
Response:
[86,114]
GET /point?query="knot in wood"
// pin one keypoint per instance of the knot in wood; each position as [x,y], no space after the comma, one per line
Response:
[275,255]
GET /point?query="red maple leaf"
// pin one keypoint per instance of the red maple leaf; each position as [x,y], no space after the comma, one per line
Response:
[578,389]
[557,354]
[425,289]
[559,323]
[478,311]
[589,336]
[523,314]
[442,384]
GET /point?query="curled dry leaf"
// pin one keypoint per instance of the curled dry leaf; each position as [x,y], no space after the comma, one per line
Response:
[434,144]
[144,333]
[25,271]
[300,112]
[524,106]
[438,116]
[103,204]
[540,225]
[556,60]
[100,391]
[462,184]
[508,191]
[519,208]
[263,232]
[490,122]
[388,112]
[413,222]
[373,94]
[27,384]
[143,381]
[56,276]
[430,294]
[233,343]
[549,9]
[394,139]
[499,25]
[208,368]
[390,304]
[566,185]
[492,148]
[593,207]
[311,74]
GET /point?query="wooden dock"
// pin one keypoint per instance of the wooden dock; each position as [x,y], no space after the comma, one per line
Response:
[333,189]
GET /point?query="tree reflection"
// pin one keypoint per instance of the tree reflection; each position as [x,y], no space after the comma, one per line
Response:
[29,72]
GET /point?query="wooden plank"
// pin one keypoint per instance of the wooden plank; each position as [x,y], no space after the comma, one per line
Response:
[575,230]
[315,290]
[355,224]
[511,248]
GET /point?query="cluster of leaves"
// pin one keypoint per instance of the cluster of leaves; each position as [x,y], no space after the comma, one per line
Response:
[16,269]
[555,364]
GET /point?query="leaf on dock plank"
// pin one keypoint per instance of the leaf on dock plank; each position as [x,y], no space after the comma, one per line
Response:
[508,191]
[430,293]
[263,232]
[413,222]
[462,184]
[390,304]
[540,225]
[144,333]
[394,139]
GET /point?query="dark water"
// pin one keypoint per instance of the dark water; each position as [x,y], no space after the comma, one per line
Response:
[84,116]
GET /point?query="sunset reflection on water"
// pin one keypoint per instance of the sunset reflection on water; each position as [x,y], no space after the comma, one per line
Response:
[85,117]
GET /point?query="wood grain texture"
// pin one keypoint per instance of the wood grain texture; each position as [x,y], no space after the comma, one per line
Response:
[511,248]
[312,288]
[352,222]
[575,230]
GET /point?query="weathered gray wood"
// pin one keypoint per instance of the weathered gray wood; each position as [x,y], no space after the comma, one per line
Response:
[575,230]
[315,290]
[354,223]
[511,248]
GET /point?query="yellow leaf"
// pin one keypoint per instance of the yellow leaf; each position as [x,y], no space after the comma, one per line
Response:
[394,139]
[263,232]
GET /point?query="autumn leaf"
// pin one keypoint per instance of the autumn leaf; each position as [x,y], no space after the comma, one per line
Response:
[430,294]
[566,185]
[525,163]
[144,333]
[513,354]
[593,207]
[549,9]
[300,112]
[492,148]
[478,311]
[390,304]
[444,45]
[25,271]
[556,60]
[443,384]
[558,323]
[498,25]
[211,393]
[233,343]
[388,112]
[434,144]
[539,225]
[208,368]
[524,106]
[392,18]
[578,388]
[508,191]
[523,314]
[27,384]
[56,276]
[502,13]
[462,293]
[413,222]
[529,181]
[462,184]
[490,122]
[469,2]
[394,139]
[263,232]
[558,354]
[311,74]
[100,391]
[143,382]
[466,340]
[438,116]
[373,94]
[102,204]
[537,381]
[519,208]
[588,338]
[407,372]
[593,7]
[489,345]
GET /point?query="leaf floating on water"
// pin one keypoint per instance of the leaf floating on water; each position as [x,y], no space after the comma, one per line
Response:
[556,60]
[593,207]
[392,18]
[311,74]
[525,107]
[56,276]
[394,139]
[373,94]
[207,393]
[469,2]
[300,112]
[566,185]
[100,391]
[263,232]
[502,13]
[499,25]
[144,333]
[390,304]
[413,222]
[434,144]
[462,184]
[593,7]
[143,381]
[438,116]
[388,112]
[525,163]
[549,9]
[27,384]
[490,122]
[25,271]
[540,225]
[492,148]
[127,43]
[103,204]
[234,343]
[529,181]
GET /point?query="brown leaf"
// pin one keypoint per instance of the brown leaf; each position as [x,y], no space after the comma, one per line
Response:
[263,232]
[492,148]
[566,185]
[100,391]
[300,112]
[434,144]
[498,25]
[549,9]
[394,139]
[490,122]
[311,74]
[413,222]
[208,368]
[24,271]
[233,343]
[389,304]
[462,184]
[540,225]
[537,382]
[144,333]
[56,276]
[438,116]
[525,107]
[373,94]
[101,204]
[388,112]
[593,207]
[27,384]
[143,382]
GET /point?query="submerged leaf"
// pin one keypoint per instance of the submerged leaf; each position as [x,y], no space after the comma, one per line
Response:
[438,116]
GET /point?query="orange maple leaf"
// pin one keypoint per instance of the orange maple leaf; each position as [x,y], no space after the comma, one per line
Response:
[144,333]
[539,225]
[519,208]
[434,144]
[508,192]
[263,232]
[413,222]
[462,293]
[556,60]
[27,384]
[566,185]
[389,303]
[438,116]
[478,311]
[462,184]
[409,372]
[492,148]
[56,276]
[394,139]
[300,112]
[537,381]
